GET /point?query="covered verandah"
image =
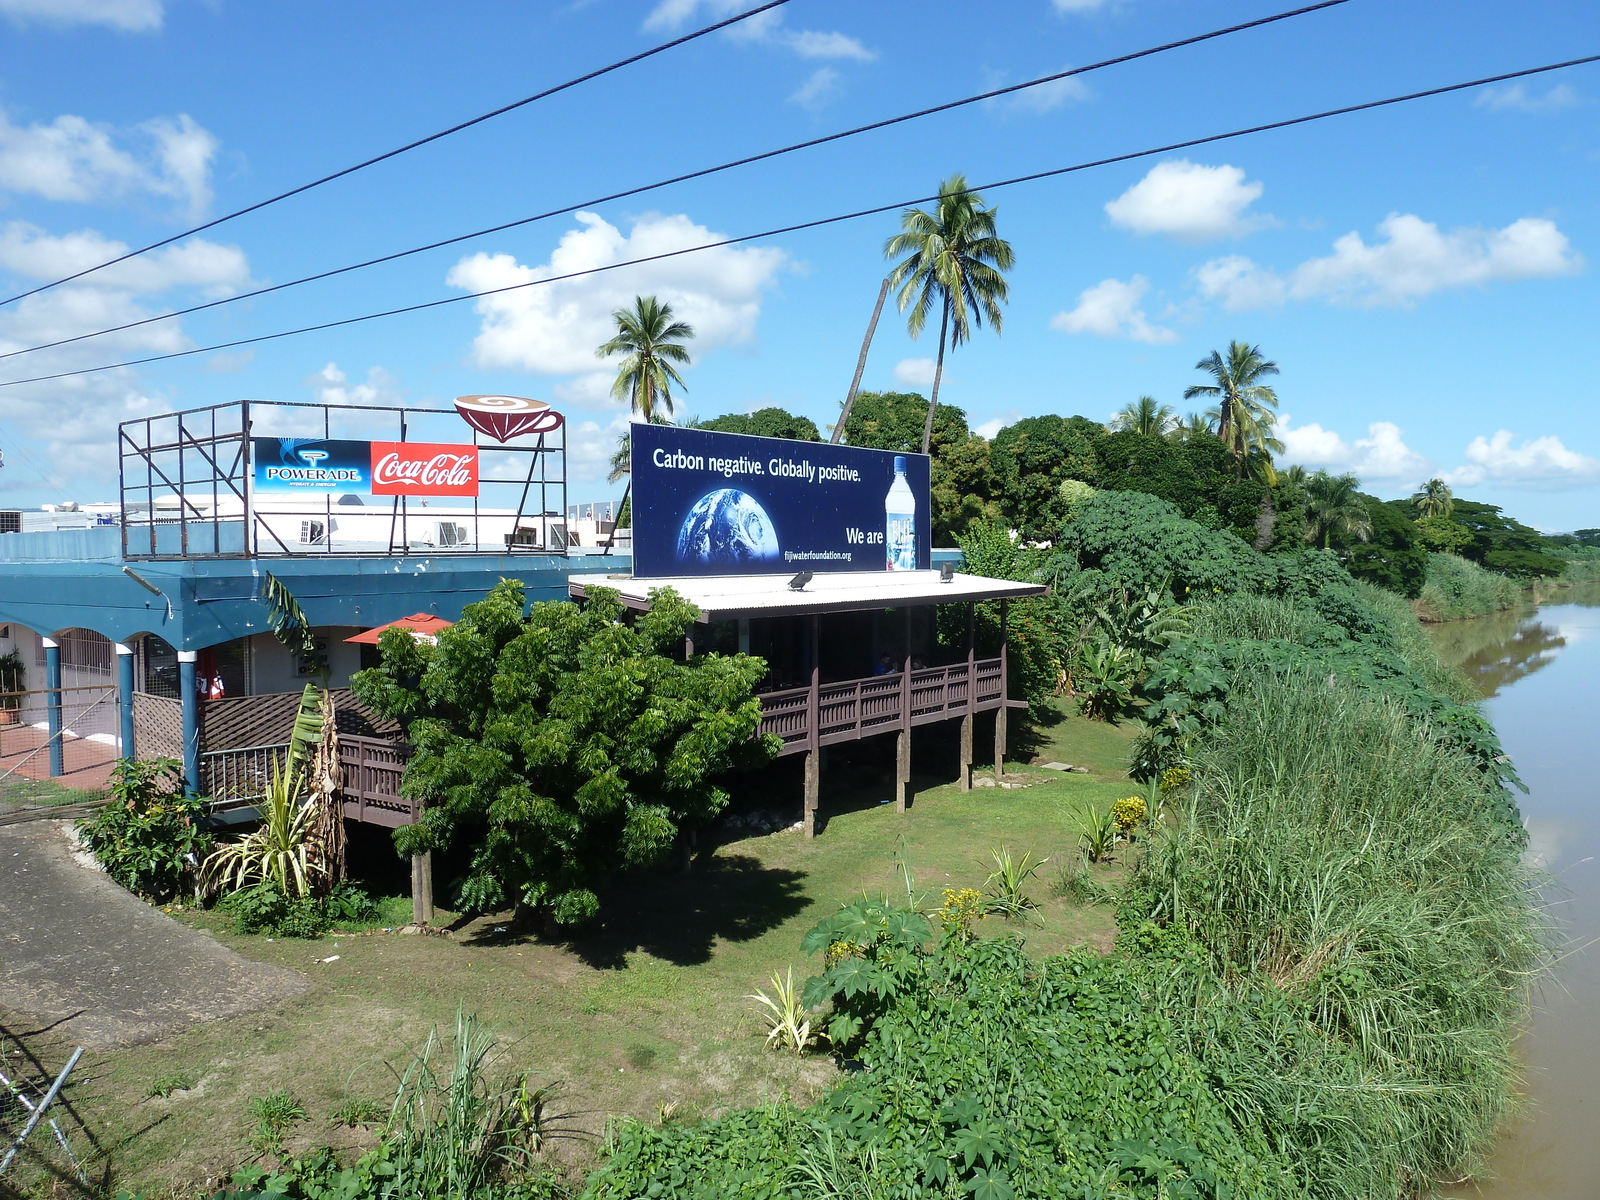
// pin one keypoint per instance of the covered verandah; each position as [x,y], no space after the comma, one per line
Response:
[851,656]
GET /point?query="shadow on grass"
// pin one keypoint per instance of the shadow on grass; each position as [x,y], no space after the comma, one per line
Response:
[676,916]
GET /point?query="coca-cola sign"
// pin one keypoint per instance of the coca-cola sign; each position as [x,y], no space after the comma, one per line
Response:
[424,469]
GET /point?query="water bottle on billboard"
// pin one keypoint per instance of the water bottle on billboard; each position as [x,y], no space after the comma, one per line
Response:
[900,512]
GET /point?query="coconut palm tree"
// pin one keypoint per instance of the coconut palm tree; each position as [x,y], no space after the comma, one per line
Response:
[1145,416]
[1190,426]
[652,342]
[1334,505]
[1244,413]
[1434,499]
[952,255]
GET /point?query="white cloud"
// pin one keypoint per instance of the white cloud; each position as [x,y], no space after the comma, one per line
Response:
[75,160]
[820,87]
[553,329]
[332,386]
[766,28]
[994,425]
[590,446]
[1538,462]
[1381,455]
[914,372]
[1111,309]
[1080,6]
[65,420]
[1517,98]
[1189,201]
[1414,260]
[133,15]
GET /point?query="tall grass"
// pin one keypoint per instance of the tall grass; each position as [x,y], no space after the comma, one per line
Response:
[1369,930]
[1457,587]
[1414,645]
[1260,618]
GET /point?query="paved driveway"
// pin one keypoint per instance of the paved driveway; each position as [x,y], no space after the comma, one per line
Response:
[77,950]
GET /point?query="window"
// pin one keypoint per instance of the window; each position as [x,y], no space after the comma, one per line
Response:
[10,521]
[313,533]
[85,651]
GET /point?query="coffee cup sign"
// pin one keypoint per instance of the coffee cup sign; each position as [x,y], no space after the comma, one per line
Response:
[505,417]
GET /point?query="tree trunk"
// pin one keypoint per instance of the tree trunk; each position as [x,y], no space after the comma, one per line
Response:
[938,374]
[1266,522]
[861,364]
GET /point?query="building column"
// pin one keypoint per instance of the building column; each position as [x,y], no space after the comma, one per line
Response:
[52,681]
[189,696]
[964,748]
[125,698]
[744,635]
[422,888]
[813,789]
[1000,713]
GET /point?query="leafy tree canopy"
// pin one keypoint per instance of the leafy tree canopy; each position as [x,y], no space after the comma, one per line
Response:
[1035,456]
[1442,535]
[1503,544]
[1390,555]
[765,422]
[559,745]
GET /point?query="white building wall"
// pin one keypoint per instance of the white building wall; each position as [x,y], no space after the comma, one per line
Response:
[274,669]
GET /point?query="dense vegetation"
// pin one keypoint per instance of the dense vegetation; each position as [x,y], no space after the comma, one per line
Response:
[1325,951]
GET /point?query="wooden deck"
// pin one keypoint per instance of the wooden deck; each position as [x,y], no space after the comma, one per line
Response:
[858,708]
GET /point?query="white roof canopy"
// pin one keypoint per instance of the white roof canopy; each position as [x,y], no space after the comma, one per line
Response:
[729,597]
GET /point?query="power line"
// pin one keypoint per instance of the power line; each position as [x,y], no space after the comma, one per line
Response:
[676,179]
[834,220]
[423,141]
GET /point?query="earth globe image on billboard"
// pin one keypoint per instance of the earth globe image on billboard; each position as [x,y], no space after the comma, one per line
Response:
[727,527]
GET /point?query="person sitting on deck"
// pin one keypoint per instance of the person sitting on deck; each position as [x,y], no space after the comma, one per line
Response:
[885,666]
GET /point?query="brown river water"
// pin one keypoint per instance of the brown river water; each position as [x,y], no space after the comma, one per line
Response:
[1539,671]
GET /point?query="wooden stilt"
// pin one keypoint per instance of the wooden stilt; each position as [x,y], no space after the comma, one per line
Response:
[902,770]
[965,751]
[999,742]
[813,790]
[422,888]
[964,778]
[1000,713]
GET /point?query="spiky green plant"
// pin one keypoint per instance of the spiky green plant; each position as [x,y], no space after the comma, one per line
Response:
[1006,883]
[788,1024]
[276,849]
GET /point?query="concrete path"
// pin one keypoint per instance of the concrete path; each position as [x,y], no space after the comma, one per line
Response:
[113,971]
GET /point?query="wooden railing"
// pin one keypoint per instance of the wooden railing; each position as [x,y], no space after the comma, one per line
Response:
[859,708]
[371,789]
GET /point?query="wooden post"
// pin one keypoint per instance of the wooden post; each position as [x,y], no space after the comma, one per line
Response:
[422,887]
[964,750]
[813,788]
[1000,713]
[902,756]
[688,645]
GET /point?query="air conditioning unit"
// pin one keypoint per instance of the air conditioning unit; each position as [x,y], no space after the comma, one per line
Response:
[10,521]
[313,533]
[452,534]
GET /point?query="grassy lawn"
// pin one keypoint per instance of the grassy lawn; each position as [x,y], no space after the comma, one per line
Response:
[644,1011]
[18,792]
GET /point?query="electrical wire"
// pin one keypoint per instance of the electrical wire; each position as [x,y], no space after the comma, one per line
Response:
[676,179]
[422,141]
[877,210]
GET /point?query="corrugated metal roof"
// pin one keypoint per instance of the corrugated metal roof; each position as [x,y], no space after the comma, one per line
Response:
[727,597]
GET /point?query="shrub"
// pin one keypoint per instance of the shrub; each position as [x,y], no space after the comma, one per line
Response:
[267,909]
[788,1025]
[278,850]
[1457,587]
[149,838]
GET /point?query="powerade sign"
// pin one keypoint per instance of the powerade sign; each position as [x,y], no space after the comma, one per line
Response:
[364,468]
[727,504]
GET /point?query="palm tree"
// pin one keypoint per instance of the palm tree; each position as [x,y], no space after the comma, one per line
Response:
[1333,505]
[650,339]
[1434,499]
[1145,416]
[1190,426]
[1244,413]
[953,255]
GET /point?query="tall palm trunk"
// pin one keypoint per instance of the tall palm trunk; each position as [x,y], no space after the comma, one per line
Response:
[861,364]
[938,374]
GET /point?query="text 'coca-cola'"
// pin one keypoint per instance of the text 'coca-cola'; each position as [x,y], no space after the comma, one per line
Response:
[424,469]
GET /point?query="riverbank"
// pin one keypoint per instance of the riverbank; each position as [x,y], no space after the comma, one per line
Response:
[1458,589]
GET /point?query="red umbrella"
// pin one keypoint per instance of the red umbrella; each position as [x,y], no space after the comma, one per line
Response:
[424,627]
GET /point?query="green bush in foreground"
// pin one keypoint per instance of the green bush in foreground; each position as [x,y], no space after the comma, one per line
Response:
[149,838]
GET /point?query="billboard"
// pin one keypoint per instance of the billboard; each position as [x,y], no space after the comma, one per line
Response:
[709,503]
[316,465]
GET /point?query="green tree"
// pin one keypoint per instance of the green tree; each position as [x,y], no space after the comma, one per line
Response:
[557,746]
[1334,506]
[1144,416]
[764,422]
[1034,457]
[954,256]
[1434,499]
[621,464]
[1244,413]
[1503,543]
[1390,554]
[1191,426]
[1442,535]
[650,342]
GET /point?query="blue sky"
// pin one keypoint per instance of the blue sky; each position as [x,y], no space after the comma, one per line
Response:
[1424,275]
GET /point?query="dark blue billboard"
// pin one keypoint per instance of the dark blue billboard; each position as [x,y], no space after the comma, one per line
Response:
[709,503]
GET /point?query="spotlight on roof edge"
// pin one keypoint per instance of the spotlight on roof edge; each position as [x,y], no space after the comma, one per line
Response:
[798,583]
[947,572]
